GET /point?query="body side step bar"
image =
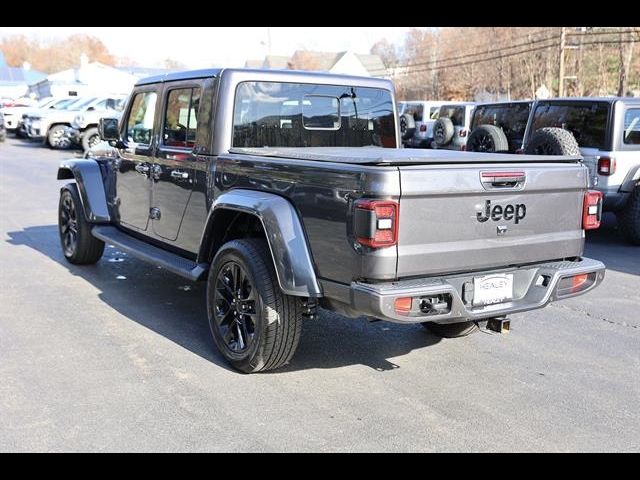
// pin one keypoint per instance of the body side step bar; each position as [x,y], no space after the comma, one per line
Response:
[151,254]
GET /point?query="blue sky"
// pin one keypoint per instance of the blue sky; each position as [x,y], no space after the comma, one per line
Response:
[224,46]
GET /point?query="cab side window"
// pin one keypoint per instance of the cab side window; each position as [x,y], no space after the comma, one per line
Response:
[140,120]
[181,118]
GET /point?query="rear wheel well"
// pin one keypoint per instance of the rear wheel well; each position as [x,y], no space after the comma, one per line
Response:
[233,225]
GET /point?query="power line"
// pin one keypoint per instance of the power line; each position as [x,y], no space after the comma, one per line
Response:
[475,54]
[500,56]
[510,47]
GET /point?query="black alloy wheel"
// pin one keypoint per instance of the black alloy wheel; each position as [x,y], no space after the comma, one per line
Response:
[68,225]
[235,309]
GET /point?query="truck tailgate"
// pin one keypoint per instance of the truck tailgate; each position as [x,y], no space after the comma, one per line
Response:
[456,218]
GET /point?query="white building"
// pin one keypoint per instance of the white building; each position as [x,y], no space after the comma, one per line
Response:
[90,78]
[348,63]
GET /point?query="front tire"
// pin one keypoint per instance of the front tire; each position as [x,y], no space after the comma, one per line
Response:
[56,138]
[78,245]
[451,330]
[254,325]
[629,218]
[90,138]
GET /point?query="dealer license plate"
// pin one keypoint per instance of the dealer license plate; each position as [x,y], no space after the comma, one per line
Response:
[492,289]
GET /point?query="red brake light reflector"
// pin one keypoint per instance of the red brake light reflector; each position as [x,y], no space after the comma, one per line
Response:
[592,210]
[402,305]
[606,166]
[376,223]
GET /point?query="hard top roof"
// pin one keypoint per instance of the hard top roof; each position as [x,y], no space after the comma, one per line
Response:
[272,73]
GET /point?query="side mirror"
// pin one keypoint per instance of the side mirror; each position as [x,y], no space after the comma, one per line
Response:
[108,129]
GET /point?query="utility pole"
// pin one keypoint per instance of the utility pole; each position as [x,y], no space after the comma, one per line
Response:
[563,40]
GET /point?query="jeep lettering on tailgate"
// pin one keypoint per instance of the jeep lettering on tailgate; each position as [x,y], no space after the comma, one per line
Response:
[497,213]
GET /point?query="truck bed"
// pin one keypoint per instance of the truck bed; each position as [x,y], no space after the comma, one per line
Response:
[393,156]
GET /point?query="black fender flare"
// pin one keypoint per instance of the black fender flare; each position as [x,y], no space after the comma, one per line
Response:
[86,172]
[285,235]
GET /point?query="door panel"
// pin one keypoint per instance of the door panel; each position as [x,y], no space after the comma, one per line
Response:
[133,186]
[174,169]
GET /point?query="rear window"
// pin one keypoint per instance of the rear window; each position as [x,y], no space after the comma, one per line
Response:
[631,133]
[435,111]
[586,121]
[511,118]
[415,109]
[274,114]
[453,113]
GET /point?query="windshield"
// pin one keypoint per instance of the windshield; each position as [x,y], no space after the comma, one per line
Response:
[273,114]
[62,104]
[79,104]
[45,102]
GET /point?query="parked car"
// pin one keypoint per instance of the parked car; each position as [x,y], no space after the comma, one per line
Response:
[606,132]
[3,129]
[499,127]
[451,128]
[209,174]
[46,103]
[417,118]
[13,114]
[84,127]
[50,125]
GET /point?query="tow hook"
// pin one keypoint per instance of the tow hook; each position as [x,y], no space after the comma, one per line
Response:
[499,324]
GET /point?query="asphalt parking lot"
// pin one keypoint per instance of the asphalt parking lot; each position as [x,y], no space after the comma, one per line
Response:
[118,356]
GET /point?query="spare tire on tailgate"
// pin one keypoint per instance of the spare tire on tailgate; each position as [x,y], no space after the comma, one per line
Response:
[487,138]
[407,126]
[443,131]
[552,141]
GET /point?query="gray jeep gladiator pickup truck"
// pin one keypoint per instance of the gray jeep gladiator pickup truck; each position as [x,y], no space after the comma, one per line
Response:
[287,191]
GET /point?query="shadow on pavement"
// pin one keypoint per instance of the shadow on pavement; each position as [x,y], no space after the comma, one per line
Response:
[176,309]
[609,246]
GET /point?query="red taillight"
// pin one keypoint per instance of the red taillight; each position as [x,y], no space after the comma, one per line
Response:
[376,223]
[423,128]
[463,133]
[592,210]
[606,166]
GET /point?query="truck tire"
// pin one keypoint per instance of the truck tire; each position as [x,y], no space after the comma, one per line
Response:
[90,138]
[552,141]
[488,138]
[451,330]
[443,131]
[56,138]
[407,126]
[78,245]
[255,326]
[629,218]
